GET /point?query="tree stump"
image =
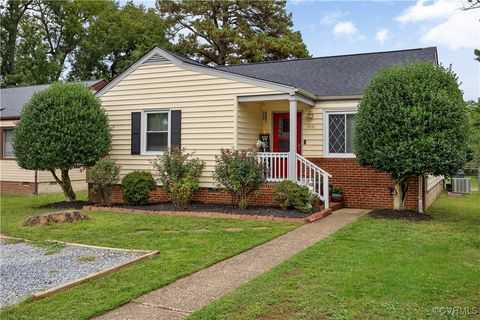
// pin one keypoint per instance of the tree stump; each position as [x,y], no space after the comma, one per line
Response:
[55,217]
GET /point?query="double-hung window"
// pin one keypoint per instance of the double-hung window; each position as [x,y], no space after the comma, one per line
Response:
[7,136]
[340,130]
[156,125]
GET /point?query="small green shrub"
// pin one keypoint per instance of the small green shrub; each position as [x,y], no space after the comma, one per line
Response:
[337,190]
[179,174]
[290,194]
[239,173]
[137,186]
[103,176]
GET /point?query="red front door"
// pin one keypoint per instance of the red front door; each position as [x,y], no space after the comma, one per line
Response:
[281,132]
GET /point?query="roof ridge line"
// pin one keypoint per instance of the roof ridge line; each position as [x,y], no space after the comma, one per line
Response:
[322,57]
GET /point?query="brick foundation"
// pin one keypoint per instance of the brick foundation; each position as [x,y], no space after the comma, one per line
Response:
[264,197]
[17,187]
[363,187]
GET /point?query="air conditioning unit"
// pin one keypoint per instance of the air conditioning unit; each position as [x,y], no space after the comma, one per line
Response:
[461,185]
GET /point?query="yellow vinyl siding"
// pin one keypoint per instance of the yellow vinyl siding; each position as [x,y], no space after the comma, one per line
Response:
[207,103]
[313,129]
[10,171]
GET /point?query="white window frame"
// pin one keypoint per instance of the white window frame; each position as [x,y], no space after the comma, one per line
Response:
[326,130]
[143,139]
[3,142]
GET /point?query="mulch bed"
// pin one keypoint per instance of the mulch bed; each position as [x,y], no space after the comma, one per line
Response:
[410,215]
[65,205]
[219,208]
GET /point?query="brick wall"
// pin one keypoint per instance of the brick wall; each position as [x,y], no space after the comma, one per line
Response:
[264,197]
[17,187]
[363,187]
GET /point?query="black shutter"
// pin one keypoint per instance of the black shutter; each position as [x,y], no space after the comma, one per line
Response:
[136,127]
[176,128]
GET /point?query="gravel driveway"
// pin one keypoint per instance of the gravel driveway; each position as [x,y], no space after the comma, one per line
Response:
[26,269]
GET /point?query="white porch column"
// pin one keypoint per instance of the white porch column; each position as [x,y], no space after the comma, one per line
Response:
[292,171]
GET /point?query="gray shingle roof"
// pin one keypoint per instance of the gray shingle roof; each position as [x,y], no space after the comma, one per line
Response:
[12,100]
[345,75]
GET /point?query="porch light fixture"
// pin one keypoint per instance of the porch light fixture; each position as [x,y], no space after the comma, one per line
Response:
[310,115]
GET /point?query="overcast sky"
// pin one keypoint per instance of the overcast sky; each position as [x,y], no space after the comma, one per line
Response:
[344,27]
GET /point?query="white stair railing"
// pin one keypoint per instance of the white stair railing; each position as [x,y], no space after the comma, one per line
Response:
[313,177]
[308,174]
[275,164]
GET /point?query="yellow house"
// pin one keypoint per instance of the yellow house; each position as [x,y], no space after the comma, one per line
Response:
[299,113]
[14,179]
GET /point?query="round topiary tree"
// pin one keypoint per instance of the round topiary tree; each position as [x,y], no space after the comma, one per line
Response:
[412,121]
[61,128]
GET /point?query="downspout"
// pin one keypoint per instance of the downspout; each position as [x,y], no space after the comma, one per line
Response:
[36,183]
[420,193]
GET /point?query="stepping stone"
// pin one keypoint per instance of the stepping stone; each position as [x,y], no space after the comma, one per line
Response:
[201,230]
[233,229]
[261,228]
[172,231]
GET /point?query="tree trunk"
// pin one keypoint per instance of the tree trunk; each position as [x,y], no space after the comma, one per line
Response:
[65,184]
[400,194]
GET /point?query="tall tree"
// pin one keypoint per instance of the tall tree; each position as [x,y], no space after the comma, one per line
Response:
[232,31]
[10,16]
[116,39]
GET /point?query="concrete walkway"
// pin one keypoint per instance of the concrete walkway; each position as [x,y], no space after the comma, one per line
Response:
[184,296]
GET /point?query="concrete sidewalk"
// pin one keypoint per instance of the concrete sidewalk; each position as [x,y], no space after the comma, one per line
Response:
[184,296]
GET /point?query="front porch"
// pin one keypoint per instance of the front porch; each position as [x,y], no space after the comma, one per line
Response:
[276,125]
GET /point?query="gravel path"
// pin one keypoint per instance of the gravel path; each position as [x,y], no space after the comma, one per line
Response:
[26,269]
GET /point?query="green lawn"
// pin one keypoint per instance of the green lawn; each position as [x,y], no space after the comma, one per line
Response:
[372,269]
[199,243]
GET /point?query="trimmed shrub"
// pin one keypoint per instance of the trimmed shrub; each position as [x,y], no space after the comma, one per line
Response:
[179,174]
[291,195]
[411,122]
[63,127]
[239,173]
[103,176]
[137,186]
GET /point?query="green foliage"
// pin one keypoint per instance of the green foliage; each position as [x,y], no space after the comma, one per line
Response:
[179,175]
[239,173]
[227,32]
[477,55]
[474,138]
[412,121]
[40,39]
[337,190]
[116,40]
[290,194]
[61,128]
[137,186]
[103,176]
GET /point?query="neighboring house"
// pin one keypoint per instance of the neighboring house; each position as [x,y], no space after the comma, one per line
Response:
[303,110]
[14,179]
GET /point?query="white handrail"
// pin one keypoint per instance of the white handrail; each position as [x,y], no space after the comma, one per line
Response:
[308,173]
[313,177]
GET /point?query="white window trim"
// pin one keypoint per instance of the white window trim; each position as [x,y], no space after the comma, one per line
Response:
[143,138]
[3,143]
[326,123]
